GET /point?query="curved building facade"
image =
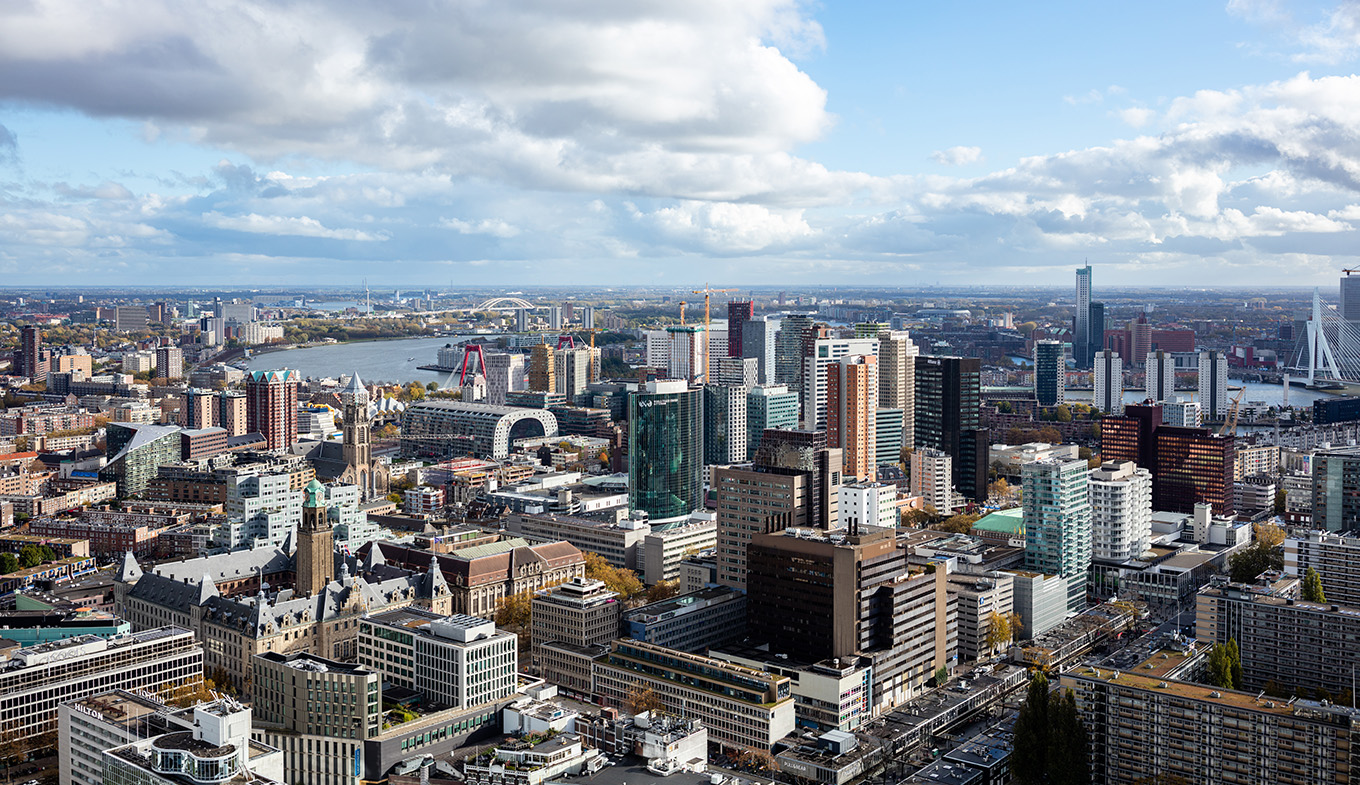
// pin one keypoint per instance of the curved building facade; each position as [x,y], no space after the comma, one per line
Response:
[445,429]
[666,450]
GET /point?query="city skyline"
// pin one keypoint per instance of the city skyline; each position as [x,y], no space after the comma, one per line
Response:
[654,145]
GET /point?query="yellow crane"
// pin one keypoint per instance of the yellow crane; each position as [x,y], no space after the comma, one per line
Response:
[594,373]
[1230,422]
[708,323]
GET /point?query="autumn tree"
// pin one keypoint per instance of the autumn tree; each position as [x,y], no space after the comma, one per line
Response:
[620,580]
[1268,534]
[957,524]
[999,631]
[663,590]
[515,610]
[641,698]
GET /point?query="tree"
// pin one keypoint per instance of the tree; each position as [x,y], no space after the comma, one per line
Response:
[29,557]
[1062,413]
[191,693]
[1029,753]
[1251,561]
[941,676]
[663,590]
[1312,587]
[1281,496]
[642,699]
[621,581]
[998,631]
[1068,754]
[958,524]
[8,563]
[12,746]
[1051,743]
[1225,666]
[432,386]
[1269,534]
[999,488]
[515,610]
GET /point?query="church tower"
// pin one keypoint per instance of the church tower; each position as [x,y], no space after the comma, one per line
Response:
[357,451]
[315,560]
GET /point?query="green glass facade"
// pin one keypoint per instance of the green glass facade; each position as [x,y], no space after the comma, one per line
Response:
[666,450]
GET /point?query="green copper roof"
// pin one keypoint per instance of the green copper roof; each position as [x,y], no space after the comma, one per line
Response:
[1008,521]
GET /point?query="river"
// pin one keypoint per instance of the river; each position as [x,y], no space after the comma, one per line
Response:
[374,361]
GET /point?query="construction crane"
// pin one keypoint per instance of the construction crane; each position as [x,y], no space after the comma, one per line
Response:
[1351,270]
[593,372]
[1230,422]
[708,324]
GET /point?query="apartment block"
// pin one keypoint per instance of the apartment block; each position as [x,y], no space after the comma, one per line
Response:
[1286,643]
[1335,557]
[740,706]
[1145,727]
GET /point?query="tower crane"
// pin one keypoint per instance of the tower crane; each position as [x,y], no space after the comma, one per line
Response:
[1230,422]
[708,324]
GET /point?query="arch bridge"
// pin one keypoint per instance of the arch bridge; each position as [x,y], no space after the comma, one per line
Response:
[504,303]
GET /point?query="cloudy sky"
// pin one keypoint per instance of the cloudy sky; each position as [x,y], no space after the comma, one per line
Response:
[739,142]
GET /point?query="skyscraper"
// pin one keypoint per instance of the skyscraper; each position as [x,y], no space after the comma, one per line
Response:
[542,375]
[788,351]
[1081,328]
[897,379]
[571,372]
[1108,370]
[739,312]
[231,412]
[687,352]
[851,414]
[272,406]
[757,340]
[1121,511]
[724,424]
[199,409]
[30,355]
[948,390]
[769,406]
[1050,373]
[1188,465]
[822,355]
[554,317]
[1213,385]
[1161,376]
[1350,297]
[666,450]
[1097,328]
[1057,516]
[169,362]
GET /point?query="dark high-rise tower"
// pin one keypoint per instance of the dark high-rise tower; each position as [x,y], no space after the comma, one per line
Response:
[739,312]
[948,391]
[1050,373]
[1081,320]
[30,360]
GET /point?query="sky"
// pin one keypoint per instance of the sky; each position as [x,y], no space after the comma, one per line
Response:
[736,142]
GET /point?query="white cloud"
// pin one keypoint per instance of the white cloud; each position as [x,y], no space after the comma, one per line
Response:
[492,226]
[565,96]
[957,156]
[1137,116]
[727,228]
[300,226]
